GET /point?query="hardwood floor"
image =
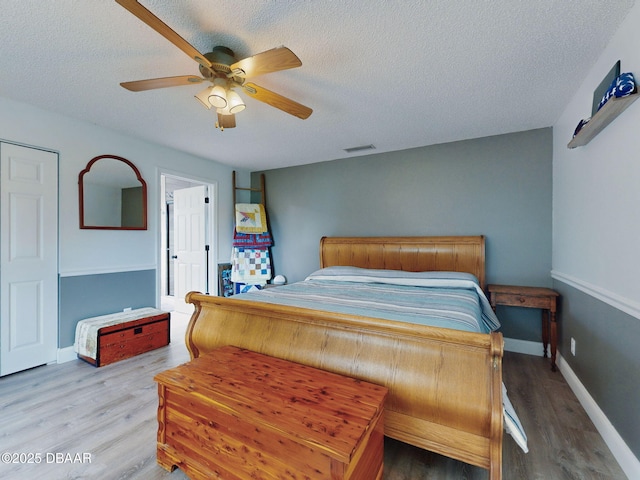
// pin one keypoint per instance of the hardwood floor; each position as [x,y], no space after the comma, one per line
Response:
[104,420]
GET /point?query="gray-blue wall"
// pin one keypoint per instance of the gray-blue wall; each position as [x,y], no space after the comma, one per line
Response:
[607,357]
[498,186]
[87,296]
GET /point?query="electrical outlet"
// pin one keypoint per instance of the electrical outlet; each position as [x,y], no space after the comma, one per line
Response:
[128,309]
[573,346]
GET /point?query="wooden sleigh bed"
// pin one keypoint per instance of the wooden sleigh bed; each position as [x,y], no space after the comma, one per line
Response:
[445,386]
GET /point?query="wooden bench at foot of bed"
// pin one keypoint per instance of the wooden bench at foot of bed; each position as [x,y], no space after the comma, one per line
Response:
[262,417]
[445,386]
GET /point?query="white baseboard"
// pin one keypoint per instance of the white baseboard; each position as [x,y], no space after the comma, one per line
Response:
[66,354]
[622,453]
[523,346]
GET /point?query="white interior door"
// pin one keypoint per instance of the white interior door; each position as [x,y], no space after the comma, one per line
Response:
[189,229]
[28,257]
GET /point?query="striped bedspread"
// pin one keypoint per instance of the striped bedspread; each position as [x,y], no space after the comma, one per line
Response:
[441,299]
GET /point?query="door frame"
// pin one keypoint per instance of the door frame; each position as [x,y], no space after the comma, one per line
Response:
[211,230]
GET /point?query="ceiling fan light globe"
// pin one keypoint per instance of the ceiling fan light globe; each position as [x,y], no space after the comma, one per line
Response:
[237,108]
[203,97]
[218,97]
[236,104]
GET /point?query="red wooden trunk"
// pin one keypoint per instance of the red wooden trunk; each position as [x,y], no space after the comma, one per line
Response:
[128,339]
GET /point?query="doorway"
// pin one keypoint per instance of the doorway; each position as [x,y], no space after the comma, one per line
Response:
[187,219]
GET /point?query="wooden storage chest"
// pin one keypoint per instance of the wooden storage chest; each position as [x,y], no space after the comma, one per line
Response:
[237,414]
[110,338]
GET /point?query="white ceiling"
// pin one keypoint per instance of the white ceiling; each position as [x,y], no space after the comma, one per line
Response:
[393,73]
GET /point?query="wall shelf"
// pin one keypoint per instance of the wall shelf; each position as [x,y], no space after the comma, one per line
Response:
[602,118]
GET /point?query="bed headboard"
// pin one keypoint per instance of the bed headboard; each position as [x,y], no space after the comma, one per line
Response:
[414,254]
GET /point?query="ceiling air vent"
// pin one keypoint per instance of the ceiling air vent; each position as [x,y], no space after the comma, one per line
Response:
[359,149]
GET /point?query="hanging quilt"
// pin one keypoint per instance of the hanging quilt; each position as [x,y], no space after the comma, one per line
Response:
[251,240]
[250,218]
[250,265]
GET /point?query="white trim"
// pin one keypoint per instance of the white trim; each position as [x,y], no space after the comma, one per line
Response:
[66,354]
[102,271]
[523,346]
[622,453]
[626,305]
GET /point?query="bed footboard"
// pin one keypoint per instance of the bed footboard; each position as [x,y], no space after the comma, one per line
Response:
[445,386]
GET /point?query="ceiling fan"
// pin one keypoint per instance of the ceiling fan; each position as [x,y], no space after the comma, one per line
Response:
[224,72]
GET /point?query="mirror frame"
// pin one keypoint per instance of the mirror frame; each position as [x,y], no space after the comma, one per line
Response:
[81,193]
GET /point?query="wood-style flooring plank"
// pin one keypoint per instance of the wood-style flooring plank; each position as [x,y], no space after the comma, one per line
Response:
[110,414]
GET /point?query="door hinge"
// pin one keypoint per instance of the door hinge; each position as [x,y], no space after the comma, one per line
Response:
[206,199]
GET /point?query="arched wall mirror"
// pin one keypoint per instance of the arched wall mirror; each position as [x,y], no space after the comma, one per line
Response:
[113,195]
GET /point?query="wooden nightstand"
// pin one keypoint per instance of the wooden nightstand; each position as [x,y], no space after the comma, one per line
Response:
[531,297]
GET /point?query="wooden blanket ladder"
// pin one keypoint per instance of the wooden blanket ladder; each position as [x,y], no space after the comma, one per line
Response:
[262,191]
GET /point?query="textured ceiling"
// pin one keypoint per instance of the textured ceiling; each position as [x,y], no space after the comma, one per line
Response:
[393,73]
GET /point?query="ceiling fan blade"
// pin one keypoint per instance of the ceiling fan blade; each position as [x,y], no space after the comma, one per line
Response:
[142,85]
[279,58]
[163,29]
[275,100]
[226,121]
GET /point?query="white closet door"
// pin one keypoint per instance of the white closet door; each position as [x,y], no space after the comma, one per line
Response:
[28,257]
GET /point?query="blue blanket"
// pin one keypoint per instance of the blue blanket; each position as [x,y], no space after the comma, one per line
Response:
[440,299]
